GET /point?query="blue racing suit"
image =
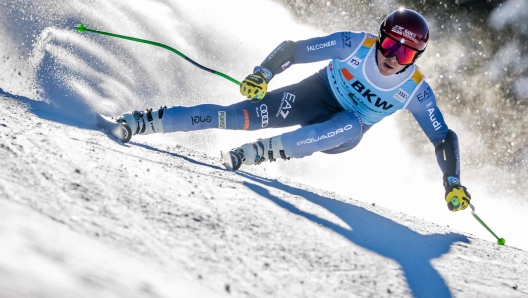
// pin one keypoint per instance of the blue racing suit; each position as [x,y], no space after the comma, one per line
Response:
[335,106]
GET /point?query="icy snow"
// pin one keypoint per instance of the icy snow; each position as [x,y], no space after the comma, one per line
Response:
[83,215]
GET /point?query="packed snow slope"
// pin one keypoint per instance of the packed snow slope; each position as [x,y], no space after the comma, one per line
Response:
[46,60]
[83,215]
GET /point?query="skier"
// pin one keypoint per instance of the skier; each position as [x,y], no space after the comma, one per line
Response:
[368,78]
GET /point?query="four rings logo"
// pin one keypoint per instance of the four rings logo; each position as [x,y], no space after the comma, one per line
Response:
[326,136]
[264,115]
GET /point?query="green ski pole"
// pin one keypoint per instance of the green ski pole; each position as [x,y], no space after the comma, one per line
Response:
[500,241]
[82,28]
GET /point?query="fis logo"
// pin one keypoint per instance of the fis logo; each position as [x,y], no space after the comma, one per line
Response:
[371,97]
[355,62]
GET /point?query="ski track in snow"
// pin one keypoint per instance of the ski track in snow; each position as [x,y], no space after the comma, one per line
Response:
[83,215]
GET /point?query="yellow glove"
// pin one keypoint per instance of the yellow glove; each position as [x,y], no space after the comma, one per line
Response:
[457,198]
[254,87]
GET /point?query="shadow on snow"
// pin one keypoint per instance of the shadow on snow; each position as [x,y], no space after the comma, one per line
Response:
[64,115]
[410,249]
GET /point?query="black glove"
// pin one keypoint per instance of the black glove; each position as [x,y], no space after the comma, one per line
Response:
[457,197]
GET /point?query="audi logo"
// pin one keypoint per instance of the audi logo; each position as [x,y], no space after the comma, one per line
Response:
[264,115]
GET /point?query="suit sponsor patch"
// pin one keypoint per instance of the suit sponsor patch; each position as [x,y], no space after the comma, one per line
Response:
[355,62]
[222,119]
[401,95]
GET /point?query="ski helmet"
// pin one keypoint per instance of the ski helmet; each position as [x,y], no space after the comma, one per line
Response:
[403,27]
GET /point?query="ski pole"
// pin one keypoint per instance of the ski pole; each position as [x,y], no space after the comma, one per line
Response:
[500,241]
[82,28]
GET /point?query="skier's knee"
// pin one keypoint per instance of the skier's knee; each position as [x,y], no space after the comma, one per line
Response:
[351,123]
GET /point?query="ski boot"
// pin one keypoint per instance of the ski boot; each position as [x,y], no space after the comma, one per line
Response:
[132,123]
[254,153]
[143,123]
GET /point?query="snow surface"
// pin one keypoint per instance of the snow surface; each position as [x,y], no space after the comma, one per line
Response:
[82,215]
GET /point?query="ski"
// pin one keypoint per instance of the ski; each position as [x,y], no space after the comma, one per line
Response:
[232,160]
[114,128]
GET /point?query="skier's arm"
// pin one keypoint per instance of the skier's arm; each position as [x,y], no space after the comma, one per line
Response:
[336,45]
[429,117]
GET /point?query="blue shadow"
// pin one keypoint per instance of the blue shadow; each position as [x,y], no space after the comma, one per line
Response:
[186,158]
[383,236]
[413,251]
[65,115]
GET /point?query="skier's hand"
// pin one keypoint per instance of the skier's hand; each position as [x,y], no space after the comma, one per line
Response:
[254,87]
[457,197]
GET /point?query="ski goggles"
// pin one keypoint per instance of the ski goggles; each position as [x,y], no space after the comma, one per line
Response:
[390,47]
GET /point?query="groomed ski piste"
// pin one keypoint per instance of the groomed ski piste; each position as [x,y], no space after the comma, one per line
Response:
[83,215]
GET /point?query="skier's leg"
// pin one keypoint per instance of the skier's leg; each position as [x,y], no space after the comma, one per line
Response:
[240,116]
[287,106]
[344,127]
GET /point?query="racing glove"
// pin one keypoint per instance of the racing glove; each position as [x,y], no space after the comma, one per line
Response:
[457,197]
[255,86]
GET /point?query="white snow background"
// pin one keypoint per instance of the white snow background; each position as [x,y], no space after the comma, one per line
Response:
[83,215]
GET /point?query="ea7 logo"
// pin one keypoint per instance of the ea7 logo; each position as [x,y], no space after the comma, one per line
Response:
[287,100]
[346,39]
[379,103]
[424,95]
